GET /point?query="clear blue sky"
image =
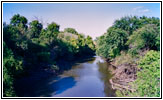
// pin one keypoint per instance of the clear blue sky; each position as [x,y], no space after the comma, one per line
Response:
[89,18]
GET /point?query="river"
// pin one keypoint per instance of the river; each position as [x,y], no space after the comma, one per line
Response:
[86,79]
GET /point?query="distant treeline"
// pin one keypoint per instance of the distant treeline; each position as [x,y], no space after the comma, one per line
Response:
[27,44]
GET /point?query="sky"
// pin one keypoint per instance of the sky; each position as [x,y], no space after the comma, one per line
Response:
[88,18]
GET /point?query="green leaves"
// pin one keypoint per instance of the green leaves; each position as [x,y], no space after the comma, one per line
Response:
[11,68]
[135,35]
[19,21]
[148,79]
[35,29]
[53,28]
[75,44]
[146,37]
[110,45]
[26,48]
[70,30]
[132,23]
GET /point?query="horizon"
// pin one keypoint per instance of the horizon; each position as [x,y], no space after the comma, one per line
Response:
[91,19]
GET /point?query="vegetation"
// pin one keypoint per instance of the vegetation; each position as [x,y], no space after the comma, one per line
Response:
[9,66]
[70,30]
[148,79]
[134,43]
[147,83]
[110,45]
[145,37]
[25,47]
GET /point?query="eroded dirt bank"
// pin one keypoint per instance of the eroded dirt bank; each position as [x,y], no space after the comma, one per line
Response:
[123,75]
[125,72]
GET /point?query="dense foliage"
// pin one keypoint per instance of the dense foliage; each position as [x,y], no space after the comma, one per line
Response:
[11,68]
[145,37]
[139,38]
[131,24]
[147,83]
[134,32]
[148,79]
[70,30]
[28,45]
[110,45]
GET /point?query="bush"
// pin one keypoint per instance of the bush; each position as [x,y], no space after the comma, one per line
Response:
[145,37]
[11,68]
[110,45]
[148,79]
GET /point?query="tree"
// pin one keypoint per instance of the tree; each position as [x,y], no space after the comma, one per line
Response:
[132,23]
[110,45]
[11,68]
[70,30]
[19,21]
[90,43]
[53,27]
[25,49]
[145,37]
[49,35]
[35,28]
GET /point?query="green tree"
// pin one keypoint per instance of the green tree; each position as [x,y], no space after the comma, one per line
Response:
[90,43]
[19,21]
[11,68]
[35,29]
[70,30]
[110,45]
[132,23]
[44,46]
[145,37]
[53,27]
[49,35]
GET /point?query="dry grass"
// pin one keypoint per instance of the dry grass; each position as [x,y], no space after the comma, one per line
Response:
[123,59]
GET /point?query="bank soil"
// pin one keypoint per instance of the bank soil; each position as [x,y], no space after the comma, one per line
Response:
[124,74]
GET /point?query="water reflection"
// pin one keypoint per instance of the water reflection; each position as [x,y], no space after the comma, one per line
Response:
[105,76]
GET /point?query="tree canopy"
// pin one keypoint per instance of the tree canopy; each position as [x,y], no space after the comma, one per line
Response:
[25,48]
[136,42]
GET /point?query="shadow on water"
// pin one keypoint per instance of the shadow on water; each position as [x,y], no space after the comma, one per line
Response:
[56,86]
[67,65]
[36,86]
[83,77]
[46,88]
[64,84]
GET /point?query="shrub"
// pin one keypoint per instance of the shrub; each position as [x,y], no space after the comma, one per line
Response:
[110,45]
[145,37]
[11,68]
[147,83]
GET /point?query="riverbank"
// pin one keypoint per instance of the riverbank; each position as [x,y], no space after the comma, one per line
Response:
[125,72]
[123,75]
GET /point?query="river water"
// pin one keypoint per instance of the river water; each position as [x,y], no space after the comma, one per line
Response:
[86,79]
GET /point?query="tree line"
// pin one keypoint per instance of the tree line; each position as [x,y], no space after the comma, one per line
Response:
[28,44]
[135,40]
